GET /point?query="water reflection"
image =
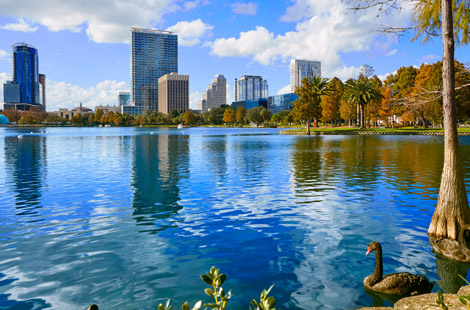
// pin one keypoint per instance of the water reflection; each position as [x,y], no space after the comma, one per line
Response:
[26,163]
[159,164]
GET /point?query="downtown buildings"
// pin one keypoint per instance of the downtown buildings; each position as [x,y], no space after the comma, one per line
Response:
[250,87]
[154,53]
[173,93]
[299,69]
[27,89]
[215,95]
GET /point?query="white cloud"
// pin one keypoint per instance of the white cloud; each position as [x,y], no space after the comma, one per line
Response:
[21,25]
[104,20]
[4,55]
[392,52]
[324,31]
[66,95]
[284,90]
[190,33]
[249,8]
[430,58]
[194,99]
[383,77]
[189,5]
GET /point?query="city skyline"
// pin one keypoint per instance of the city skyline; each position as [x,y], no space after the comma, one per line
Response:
[86,58]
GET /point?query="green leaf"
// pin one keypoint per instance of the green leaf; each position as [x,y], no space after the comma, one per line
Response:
[269,289]
[463,300]
[440,297]
[211,305]
[221,278]
[185,306]
[206,279]
[161,307]
[209,292]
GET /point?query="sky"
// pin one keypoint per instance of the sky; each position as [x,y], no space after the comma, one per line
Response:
[83,45]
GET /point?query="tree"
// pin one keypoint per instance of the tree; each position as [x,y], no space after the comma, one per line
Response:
[450,19]
[98,114]
[229,116]
[240,114]
[13,115]
[189,118]
[253,115]
[361,92]
[307,107]
[330,103]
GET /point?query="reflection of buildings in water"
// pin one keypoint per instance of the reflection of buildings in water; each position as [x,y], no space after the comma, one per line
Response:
[215,150]
[160,161]
[26,160]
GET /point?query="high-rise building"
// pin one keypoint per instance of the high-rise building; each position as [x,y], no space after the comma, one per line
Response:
[250,87]
[154,53]
[299,69]
[42,82]
[23,91]
[215,95]
[173,93]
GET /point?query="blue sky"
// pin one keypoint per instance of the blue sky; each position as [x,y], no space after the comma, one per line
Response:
[84,51]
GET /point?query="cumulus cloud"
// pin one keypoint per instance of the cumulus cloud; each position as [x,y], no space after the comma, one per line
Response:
[21,25]
[4,55]
[249,8]
[66,95]
[392,52]
[106,21]
[284,90]
[323,32]
[430,58]
[194,99]
[190,32]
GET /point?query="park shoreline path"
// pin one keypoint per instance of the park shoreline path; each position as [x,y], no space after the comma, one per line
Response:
[369,133]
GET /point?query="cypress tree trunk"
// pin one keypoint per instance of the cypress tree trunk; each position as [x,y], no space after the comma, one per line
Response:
[452,210]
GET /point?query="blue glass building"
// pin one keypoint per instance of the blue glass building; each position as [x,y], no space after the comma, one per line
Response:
[154,53]
[24,90]
[282,102]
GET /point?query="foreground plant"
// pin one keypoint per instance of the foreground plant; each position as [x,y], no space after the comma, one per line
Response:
[215,280]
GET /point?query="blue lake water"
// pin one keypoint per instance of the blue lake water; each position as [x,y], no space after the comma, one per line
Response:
[128,217]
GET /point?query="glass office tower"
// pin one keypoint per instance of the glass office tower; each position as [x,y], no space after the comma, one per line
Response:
[250,87]
[24,90]
[154,53]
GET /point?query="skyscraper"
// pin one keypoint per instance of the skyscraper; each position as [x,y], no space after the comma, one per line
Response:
[302,68]
[215,95]
[154,53]
[173,93]
[23,92]
[250,87]
[42,82]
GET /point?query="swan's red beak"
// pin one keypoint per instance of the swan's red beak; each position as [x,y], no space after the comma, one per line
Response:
[368,251]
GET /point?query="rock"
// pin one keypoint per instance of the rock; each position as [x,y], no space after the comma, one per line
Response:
[425,302]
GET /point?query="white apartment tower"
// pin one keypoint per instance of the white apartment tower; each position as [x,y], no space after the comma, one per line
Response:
[301,68]
[215,95]
[250,87]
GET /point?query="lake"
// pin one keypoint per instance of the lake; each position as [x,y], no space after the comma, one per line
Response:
[128,217]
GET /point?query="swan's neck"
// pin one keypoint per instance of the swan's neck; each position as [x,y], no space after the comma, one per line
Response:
[378,271]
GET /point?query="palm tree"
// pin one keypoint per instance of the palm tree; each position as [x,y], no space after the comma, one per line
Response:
[307,107]
[361,92]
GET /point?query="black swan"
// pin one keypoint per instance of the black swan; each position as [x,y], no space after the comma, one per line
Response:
[402,284]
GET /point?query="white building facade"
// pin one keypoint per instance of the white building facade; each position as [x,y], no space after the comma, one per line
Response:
[300,68]
[215,95]
[251,87]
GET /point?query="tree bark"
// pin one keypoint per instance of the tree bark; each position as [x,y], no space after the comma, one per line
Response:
[452,210]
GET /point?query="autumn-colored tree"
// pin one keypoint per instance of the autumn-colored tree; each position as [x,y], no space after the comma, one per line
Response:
[386,106]
[33,116]
[229,116]
[331,102]
[118,120]
[307,107]
[189,118]
[90,119]
[97,117]
[13,115]
[240,115]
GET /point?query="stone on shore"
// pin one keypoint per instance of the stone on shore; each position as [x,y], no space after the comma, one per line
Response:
[424,302]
